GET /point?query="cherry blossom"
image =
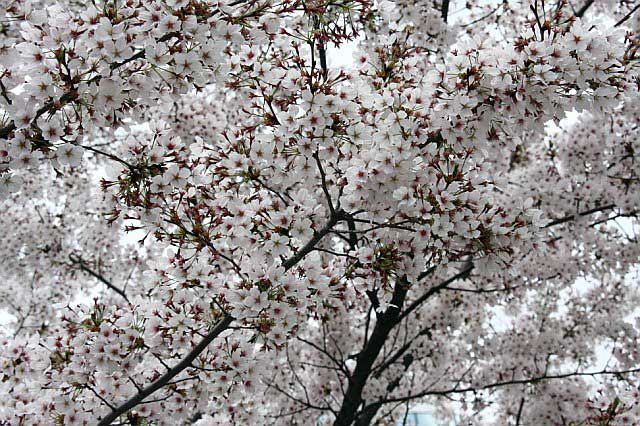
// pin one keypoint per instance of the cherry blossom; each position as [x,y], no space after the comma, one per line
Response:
[206,223]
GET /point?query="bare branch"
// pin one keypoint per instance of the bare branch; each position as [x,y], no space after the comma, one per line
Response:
[580,13]
[324,184]
[445,10]
[584,213]
[627,16]
[519,412]
[531,380]
[78,261]
[307,248]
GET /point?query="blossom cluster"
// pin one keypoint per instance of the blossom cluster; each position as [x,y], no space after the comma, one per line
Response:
[409,222]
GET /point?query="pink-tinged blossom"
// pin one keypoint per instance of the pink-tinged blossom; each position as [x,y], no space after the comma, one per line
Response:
[196,202]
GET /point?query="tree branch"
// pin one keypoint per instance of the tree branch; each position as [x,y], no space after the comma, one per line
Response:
[627,16]
[297,257]
[445,10]
[108,155]
[519,412]
[433,290]
[580,13]
[584,213]
[219,328]
[508,383]
[324,184]
[78,261]
[169,375]
[366,358]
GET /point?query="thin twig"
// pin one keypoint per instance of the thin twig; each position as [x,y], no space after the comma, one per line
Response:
[78,261]
[584,213]
[530,380]
[520,412]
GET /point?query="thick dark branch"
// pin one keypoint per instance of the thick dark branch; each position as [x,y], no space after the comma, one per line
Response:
[426,273]
[169,375]
[400,352]
[366,358]
[323,59]
[3,92]
[375,302]
[580,13]
[322,52]
[353,238]
[480,290]
[369,412]
[6,130]
[445,10]
[78,261]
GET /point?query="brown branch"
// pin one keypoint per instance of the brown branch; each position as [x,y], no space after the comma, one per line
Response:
[433,290]
[445,10]
[169,375]
[335,218]
[531,380]
[584,213]
[627,16]
[78,261]
[580,13]
[366,358]
[519,415]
